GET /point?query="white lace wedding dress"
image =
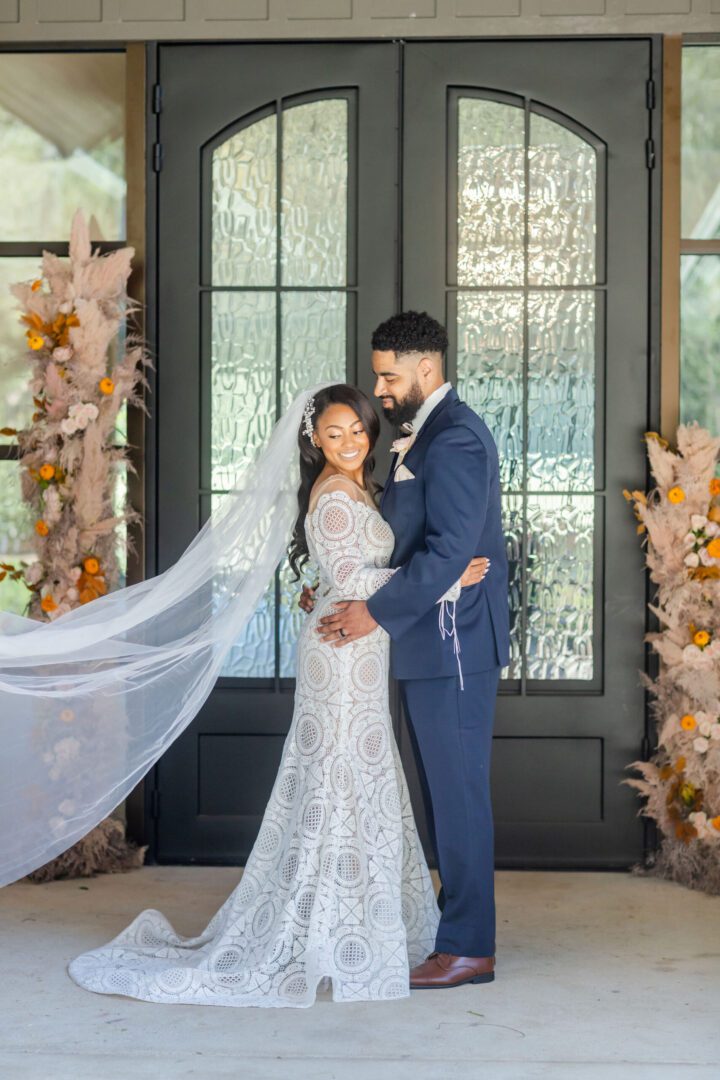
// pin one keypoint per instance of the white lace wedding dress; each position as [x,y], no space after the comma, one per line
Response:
[336,885]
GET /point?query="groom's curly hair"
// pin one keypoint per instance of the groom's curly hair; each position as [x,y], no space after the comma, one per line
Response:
[410,331]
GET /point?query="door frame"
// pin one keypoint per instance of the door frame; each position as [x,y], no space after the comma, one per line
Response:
[142,804]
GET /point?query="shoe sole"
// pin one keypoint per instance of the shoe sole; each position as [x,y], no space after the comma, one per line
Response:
[486,978]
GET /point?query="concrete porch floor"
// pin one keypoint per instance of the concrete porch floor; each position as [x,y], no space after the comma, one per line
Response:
[599,975]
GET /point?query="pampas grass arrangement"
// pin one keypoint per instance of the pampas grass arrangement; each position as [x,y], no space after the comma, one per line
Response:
[74,314]
[680,522]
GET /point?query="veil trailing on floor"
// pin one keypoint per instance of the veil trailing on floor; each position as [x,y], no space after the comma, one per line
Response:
[89,702]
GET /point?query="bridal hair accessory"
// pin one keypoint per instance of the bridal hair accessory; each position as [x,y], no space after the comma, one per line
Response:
[308,426]
[90,701]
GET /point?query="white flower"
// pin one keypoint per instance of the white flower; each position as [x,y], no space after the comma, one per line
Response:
[66,307]
[62,353]
[75,572]
[692,559]
[698,521]
[698,817]
[701,745]
[67,807]
[712,528]
[704,726]
[692,654]
[34,573]
[72,593]
[66,749]
[705,558]
[68,427]
[690,538]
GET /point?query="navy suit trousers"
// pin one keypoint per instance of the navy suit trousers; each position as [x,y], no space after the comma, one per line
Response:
[451,731]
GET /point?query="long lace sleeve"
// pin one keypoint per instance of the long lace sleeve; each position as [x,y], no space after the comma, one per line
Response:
[342,532]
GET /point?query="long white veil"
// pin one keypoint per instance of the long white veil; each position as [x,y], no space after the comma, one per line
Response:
[89,702]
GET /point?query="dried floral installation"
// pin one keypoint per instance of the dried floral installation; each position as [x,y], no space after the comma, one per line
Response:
[680,520]
[82,373]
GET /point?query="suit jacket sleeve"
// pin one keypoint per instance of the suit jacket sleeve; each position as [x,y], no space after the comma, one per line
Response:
[457,483]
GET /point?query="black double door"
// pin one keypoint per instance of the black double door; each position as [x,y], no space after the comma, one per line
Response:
[306,192]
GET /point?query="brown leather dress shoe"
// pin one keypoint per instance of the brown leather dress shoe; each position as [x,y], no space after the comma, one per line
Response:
[442,970]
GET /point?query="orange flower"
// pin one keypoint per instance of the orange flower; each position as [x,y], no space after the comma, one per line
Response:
[715,485]
[36,285]
[35,341]
[47,471]
[106,386]
[713,547]
[676,495]
[688,722]
[47,603]
[86,595]
[91,565]
[714,514]
[680,764]
[715,822]
[701,638]
[41,528]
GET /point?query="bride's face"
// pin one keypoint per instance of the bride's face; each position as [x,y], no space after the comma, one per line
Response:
[342,438]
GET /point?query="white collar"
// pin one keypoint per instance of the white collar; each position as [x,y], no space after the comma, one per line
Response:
[428,405]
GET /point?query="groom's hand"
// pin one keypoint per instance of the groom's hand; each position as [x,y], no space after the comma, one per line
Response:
[352,618]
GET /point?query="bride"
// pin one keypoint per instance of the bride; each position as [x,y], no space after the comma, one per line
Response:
[336,886]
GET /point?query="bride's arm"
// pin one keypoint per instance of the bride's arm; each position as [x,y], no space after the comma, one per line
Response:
[337,532]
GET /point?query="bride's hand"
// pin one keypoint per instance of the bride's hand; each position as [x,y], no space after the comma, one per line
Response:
[475,572]
[307,599]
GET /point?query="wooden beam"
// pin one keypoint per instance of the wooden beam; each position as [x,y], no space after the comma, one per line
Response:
[671,225]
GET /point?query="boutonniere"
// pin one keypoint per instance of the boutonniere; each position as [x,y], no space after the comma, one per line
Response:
[402,444]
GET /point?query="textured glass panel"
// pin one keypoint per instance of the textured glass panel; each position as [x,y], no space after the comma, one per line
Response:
[700,341]
[562,205]
[314,193]
[314,345]
[314,348]
[513,528]
[253,653]
[491,193]
[561,390]
[62,119]
[701,142]
[559,617]
[243,381]
[244,206]
[489,371]
[15,536]
[16,405]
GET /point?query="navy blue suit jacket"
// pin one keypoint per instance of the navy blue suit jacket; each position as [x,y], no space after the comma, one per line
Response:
[449,513]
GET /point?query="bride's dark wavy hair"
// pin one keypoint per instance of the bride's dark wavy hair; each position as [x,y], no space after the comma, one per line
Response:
[312,459]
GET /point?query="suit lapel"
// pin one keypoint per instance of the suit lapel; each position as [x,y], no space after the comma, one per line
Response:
[390,480]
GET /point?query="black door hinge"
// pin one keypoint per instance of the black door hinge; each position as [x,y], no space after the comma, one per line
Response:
[157,98]
[645,749]
[649,94]
[157,156]
[155,804]
[650,153]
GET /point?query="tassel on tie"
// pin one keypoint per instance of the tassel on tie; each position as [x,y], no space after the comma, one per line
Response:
[445,606]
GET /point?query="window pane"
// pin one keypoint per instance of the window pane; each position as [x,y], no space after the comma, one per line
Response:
[15,536]
[314,193]
[700,341]
[559,633]
[62,118]
[561,391]
[700,142]
[242,381]
[490,371]
[16,404]
[562,205]
[491,193]
[512,516]
[244,206]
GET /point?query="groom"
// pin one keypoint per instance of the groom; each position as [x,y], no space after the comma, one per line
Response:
[442,501]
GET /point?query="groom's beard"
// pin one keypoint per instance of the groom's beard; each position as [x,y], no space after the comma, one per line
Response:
[405,410]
